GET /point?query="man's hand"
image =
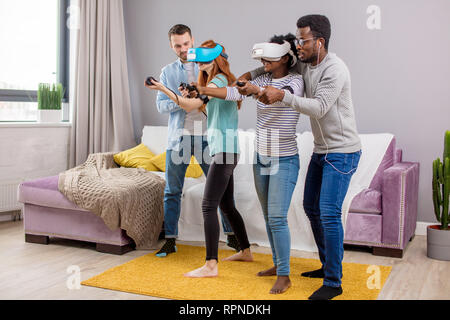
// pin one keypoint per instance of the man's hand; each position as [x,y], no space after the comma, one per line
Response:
[156,85]
[270,95]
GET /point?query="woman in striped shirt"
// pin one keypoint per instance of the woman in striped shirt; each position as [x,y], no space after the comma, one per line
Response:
[276,163]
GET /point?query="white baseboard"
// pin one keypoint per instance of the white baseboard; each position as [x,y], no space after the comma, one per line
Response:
[421,227]
[5,217]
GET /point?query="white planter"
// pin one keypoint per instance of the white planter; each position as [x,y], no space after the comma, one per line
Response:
[49,116]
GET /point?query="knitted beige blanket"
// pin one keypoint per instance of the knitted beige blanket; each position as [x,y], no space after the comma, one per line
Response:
[126,198]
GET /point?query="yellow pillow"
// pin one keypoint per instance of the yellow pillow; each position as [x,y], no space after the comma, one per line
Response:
[193,170]
[159,161]
[137,157]
[149,165]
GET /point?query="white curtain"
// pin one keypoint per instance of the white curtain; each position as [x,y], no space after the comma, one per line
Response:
[101,107]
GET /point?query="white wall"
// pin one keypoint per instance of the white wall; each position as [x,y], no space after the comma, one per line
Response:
[399,73]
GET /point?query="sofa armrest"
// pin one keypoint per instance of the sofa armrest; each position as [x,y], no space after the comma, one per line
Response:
[398,156]
[400,190]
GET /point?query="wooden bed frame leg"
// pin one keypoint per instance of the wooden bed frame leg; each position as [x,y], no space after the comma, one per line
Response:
[387,252]
[115,249]
[35,238]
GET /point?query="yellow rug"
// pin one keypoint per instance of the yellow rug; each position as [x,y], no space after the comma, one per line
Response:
[163,277]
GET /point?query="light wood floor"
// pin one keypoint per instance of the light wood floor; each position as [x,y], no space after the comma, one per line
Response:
[33,271]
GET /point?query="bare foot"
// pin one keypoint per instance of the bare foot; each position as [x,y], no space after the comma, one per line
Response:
[269,272]
[243,255]
[209,270]
[281,285]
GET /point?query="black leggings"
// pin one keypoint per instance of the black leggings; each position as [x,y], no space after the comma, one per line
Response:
[218,192]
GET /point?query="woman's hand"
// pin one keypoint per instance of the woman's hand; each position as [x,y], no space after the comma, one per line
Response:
[201,90]
[248,88]
[194,94]
[184,92]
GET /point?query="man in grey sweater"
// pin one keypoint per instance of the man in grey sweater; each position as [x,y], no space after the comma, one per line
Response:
[337,147]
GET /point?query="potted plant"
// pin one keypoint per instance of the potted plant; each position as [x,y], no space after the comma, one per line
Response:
[438,236]
[49,102]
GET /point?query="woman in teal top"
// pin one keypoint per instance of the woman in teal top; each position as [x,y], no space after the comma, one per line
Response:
[224,149]
[222,121]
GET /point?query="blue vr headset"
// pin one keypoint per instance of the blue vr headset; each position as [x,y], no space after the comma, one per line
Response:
[201,54]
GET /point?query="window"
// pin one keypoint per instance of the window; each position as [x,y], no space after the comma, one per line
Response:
[34,41]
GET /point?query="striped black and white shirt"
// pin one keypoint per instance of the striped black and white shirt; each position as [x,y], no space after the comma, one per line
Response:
[276,123]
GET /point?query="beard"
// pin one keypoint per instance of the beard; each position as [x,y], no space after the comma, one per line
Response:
[311,59]
[183,56]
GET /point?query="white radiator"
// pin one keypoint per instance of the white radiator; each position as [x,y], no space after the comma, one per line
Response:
[8,196]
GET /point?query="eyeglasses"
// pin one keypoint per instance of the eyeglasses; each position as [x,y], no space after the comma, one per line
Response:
[301,42]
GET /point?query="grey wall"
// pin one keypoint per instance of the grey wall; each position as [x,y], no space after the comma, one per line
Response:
[399,73]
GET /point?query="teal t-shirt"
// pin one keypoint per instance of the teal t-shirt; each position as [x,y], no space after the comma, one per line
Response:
[222,122]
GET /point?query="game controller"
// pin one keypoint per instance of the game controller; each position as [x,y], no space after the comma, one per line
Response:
[204,98]
[241,84]
[188,87]
[149,82]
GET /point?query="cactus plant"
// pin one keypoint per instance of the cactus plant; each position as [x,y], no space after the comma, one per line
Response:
[441,185]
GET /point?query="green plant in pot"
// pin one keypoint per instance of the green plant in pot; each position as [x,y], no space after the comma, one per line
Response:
[49,102]
[438,236]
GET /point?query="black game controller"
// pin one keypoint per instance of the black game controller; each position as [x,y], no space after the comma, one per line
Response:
[149,82]
[242,84]
[204,98]
[188,87]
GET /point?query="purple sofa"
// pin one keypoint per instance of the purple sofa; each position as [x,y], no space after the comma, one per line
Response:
[384,216]
[48,213]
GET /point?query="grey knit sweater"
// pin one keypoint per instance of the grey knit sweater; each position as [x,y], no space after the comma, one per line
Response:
[328,103]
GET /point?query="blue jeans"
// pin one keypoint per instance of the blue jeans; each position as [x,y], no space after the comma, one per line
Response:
[326,185]
[176,165]
[275,180]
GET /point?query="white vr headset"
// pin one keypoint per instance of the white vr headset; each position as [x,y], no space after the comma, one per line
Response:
[272,51]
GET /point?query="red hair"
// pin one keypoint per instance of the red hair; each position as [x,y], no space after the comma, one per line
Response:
[221,66]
